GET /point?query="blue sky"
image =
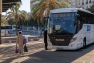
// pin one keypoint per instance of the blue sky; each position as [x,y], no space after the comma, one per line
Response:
[25,6]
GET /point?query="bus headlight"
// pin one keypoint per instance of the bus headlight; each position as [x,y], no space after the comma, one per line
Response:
[73,39]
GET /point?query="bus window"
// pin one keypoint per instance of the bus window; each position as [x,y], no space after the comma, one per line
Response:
[8,27]
[63,23]
[2,27]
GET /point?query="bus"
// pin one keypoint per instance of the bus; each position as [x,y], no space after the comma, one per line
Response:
[69,28]
[14,28]
[6,29]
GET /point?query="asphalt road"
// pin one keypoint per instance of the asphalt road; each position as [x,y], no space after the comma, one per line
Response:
[37,54]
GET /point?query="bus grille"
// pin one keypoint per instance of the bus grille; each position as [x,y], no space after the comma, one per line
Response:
[60,40]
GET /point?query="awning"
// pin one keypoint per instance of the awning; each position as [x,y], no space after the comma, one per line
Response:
[6,4]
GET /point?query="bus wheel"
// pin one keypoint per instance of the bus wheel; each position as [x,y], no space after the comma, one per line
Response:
[84,43]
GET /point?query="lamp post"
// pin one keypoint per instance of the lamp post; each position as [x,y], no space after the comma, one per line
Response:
[27,25]
[0,18]
[38,27]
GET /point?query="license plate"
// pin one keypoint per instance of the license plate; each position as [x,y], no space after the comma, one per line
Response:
[59,48]
[59,39]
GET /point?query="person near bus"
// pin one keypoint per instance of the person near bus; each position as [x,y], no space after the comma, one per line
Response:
[19,42]
[45,39]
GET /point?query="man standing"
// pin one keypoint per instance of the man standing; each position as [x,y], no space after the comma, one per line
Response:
[45,39]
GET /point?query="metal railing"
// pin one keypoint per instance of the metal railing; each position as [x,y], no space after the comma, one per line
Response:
[26,32]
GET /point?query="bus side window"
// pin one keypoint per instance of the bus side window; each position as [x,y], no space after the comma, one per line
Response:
[79,24]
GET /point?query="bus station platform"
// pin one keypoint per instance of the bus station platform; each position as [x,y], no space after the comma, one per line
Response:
[12,39]
[37,54]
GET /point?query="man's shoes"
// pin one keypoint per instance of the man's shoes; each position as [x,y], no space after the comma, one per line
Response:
[46,49]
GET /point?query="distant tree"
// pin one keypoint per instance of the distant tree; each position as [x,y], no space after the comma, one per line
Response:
[31,22]
[3,20]
[11,22]
[91,9]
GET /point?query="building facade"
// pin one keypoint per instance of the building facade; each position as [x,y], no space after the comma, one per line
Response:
[85,4]
[73,4]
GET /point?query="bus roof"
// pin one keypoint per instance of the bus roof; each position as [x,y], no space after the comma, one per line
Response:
[61,10]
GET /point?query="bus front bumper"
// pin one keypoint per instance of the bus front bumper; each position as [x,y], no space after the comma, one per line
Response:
[72,46]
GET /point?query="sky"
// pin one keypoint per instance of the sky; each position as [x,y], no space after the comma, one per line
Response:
[25,6]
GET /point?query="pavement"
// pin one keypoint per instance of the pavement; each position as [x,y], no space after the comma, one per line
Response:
[37,54]
[8,55]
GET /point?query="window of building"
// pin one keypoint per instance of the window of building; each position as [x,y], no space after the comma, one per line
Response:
[86,1]
[92,1]
[73,3]
[79,2]
[89,1]
[90,5]
[82,2]
[87,7]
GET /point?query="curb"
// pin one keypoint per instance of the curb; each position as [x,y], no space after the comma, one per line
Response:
[13,44]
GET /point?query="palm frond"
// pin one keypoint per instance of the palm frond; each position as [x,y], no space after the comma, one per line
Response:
[43,7]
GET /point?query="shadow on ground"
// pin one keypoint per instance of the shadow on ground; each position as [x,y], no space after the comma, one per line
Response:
[37,54]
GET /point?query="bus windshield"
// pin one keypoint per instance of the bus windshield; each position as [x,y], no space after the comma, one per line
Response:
[62,23]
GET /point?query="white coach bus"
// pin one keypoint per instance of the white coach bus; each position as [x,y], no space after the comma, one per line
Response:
[6,28]
[69,28]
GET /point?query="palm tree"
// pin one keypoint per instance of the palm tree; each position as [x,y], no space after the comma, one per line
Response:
[3,20]
[23,17]
[14,13]
[43,7]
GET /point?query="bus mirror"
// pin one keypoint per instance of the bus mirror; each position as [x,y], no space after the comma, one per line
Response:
[50,19]
[78,16]
[45,19]
[43,22]
[75,23]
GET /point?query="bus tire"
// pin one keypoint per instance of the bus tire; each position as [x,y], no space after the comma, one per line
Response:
[84,43]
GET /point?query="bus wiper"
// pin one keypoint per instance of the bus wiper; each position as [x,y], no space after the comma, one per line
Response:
[64,31]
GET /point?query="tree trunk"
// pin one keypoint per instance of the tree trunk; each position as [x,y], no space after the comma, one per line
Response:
[0,28]
[16,29]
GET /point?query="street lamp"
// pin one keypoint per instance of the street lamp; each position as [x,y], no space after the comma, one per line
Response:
[27,25]
[38,26]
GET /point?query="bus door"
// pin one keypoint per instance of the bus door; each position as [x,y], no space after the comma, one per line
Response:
[88,29]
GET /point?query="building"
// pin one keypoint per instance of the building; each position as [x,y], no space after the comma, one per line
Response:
[73,4]
[85,4]
[29,15]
